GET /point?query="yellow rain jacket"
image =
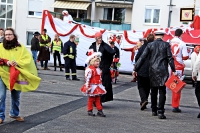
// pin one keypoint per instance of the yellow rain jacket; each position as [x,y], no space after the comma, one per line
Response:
[28,79]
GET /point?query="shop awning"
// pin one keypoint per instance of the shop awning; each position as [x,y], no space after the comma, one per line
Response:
[71,5]
[114,5]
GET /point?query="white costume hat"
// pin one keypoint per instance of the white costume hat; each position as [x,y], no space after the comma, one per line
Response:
[91,55]
[159,32]
[64,12]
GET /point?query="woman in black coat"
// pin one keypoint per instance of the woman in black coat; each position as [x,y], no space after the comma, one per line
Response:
[106,61]
[143,74]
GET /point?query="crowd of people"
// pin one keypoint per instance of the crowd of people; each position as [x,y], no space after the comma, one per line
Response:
[154,61]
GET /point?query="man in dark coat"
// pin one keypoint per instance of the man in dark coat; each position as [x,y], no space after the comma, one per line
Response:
[35,46]
[143,74]
[69,52]
[160,56]
[106,61]
[44,53]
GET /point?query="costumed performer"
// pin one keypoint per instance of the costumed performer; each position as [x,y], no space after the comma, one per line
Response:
[180,53]
[66,16]
[93,87]
[106,60]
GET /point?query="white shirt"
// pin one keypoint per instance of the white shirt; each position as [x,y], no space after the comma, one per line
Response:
[196,68]
[179,49]
[193,59]
[67,18]
[97,47]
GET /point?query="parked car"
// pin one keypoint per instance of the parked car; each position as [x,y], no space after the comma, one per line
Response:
[188,68]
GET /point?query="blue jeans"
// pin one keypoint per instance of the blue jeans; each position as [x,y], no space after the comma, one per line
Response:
[34,53]
[15,98]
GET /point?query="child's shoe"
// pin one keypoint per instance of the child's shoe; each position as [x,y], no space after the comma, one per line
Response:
[100,113]
[90,113]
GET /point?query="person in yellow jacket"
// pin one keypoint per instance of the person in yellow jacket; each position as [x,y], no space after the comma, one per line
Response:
[44,53]
[57,49]
[16,55]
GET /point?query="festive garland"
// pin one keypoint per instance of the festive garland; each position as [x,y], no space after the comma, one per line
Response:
[46,13]
[127,39]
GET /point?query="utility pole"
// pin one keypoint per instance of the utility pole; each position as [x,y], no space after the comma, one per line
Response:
[170,13]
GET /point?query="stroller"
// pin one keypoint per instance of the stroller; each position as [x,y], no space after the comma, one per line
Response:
[114,69]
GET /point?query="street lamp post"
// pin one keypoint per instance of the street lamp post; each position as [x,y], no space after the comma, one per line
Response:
[170,13]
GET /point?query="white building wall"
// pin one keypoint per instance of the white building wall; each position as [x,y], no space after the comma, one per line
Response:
[139,12]
[24,23]
[128,15]
[98,13]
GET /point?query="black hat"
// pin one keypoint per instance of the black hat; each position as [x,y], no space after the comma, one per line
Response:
[36,33]
[45,30]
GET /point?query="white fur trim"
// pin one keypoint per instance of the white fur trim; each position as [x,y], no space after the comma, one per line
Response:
[92,56]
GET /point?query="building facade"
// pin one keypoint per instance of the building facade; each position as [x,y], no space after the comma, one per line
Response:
[155,14]
[26,15]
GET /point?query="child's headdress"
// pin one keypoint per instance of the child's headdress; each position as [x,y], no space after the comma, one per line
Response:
[91,55]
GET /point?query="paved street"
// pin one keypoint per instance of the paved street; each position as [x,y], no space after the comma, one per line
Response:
[58,106]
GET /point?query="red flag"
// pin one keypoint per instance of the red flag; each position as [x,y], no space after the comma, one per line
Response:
[14,73]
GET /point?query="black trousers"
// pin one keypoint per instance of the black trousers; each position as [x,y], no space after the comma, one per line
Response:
[70,64]
[197,92]
[56,55]
[162,99]
[143,88]
[44,64]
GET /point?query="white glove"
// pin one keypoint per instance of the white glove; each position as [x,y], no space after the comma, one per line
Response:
[175,73]
[9,63]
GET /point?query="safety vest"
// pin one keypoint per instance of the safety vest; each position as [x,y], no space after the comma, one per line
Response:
[57,46]
[45,39]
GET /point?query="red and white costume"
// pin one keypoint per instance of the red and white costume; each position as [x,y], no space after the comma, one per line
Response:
[93,87]
[93,83]
[180,53]
[67,17]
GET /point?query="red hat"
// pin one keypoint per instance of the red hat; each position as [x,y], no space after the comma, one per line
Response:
[98,34]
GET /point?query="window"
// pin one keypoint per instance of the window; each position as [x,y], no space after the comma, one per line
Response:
[35,12]
[29,36]
[82,14]
[152,15]
[3,1]
[107,13]
[6,13]
[114,14]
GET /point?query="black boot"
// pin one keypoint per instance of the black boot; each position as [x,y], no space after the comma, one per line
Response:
[90,113]
[100,113]
[176,110]
[67,78]
[61,70]
[154,114]
[198,116]
[54,68]
[144,105]
[161,114]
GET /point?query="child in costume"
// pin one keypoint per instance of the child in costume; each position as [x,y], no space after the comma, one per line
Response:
[93,87]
